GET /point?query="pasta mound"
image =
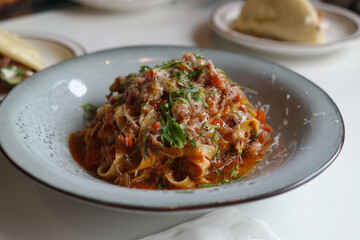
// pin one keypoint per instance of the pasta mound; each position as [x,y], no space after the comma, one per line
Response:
[180,125]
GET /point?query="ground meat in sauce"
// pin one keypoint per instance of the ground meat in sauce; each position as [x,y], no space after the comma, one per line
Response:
[183,124]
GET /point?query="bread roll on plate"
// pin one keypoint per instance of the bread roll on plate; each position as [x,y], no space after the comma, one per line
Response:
[286,20]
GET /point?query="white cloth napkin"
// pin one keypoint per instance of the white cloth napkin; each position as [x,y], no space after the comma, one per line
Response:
[223,224]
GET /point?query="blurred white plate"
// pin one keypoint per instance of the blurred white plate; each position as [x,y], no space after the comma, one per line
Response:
[344,30]
[115,5]
[53,48]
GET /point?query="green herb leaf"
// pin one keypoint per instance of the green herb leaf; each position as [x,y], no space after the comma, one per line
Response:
[217,144]
[203,100]
[130,78]
[89,107]
[89,110]
[235,171]
[169,64]
[128,156]
[193,143]
[240,152]
[199,56]
[217,154]
[218,172]
[254,135]
[133,136]
[223,182]
[20,72]
[162,184]
[144,68]
[195,74]
[173,133]
[144,142]
[223,72]
[118,102]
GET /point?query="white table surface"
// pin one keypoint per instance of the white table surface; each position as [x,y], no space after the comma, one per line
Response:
[327,207]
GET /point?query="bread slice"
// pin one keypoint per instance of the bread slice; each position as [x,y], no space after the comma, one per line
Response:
[20,50]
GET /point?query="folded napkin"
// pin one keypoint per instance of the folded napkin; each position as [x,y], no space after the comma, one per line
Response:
[223,224]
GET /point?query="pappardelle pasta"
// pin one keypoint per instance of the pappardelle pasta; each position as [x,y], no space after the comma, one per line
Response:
[180,125]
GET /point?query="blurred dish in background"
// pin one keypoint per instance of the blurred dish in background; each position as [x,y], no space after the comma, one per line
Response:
[7,3]
[14,8]
[353,5]
[344,29]
[53,48]
[121,5]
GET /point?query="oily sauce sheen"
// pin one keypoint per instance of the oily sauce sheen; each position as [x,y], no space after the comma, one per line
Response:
[249,161]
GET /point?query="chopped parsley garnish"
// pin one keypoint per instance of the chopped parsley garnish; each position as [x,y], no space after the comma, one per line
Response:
[133,152]
[188,90]
[254,135]
[228,78]
[134,138]
[20,72]
[192,139]
[89,110]
[144,141]
[169,64]
[118,102]
[223,72]
[199,55]
[203,100]
[144,68]
[162,184]
[131,77]
[218,172]
[215,140]
[195,74]
[89,107]
[234,173]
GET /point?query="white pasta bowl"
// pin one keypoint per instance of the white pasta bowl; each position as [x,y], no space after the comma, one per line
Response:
[37,117]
